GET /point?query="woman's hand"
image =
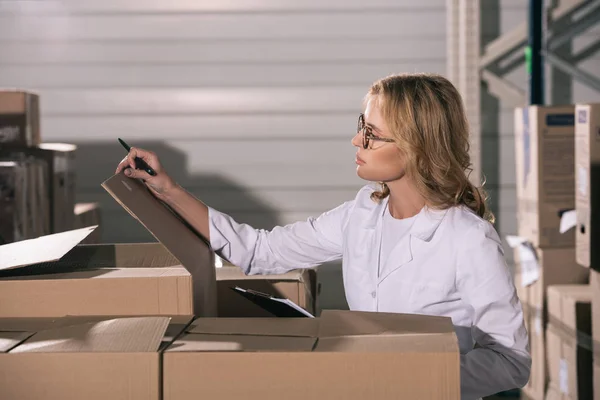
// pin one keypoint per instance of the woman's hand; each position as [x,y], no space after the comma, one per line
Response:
[161,185]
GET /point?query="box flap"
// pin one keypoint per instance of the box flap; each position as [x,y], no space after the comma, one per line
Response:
[203,342]
[336,323]
[135,334]
[125,255]
[407,343]
[42,249]
[103,273]
[8,340]
[190,248]
[299,327]
[177,324]
[229,272]
[25,324]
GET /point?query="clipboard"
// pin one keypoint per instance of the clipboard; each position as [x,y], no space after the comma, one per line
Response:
[274,305]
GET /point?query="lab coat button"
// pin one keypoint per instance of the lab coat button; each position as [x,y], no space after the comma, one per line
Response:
[373,294]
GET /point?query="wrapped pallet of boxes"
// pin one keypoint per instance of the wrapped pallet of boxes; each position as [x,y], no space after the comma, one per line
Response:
[59,160]
[298,286]
[569,341]
[24,207]
[544,255]
[19,118]
[339,355]
[85,358]
[89,214]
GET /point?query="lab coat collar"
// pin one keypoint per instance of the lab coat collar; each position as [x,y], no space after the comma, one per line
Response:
[426,222]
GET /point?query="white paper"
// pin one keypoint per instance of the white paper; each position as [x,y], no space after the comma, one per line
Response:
[582,180]
[514,241]
[529,265]
[568,221]
[294,306]
[218,262]
[537,323]
[563,376]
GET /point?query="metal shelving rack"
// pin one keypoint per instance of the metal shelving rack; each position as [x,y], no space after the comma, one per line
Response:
[535,36]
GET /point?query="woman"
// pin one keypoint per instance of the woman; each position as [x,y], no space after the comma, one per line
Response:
[421,243]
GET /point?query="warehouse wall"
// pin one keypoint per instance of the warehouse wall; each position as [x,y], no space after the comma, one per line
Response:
[251,105]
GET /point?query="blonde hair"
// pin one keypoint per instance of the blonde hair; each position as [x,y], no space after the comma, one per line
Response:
[425,115]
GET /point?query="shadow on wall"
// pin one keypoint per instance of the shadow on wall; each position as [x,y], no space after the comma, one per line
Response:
[97,161]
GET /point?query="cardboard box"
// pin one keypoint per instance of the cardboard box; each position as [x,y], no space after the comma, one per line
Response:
[19,118]
[538,379]
[88,214]
[59,184]
[50,277]
[568,338]
[595,288]
[545,156]
[587,159]
[299,286]
[341,355]
[102,358]
[190,248]
[542,268]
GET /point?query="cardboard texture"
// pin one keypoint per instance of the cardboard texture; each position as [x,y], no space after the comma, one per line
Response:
[332,357]
[190,248]
[545,156]
[19,118]
[88,214]
[51,277]
[299,286]
[587,159]
[568,338]
[97,358]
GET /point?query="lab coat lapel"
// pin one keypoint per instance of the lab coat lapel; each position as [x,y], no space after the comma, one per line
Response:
[424,227]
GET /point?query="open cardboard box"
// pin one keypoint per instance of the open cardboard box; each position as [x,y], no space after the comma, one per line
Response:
[51,276]
[298,286]
[340,355]
[85,357]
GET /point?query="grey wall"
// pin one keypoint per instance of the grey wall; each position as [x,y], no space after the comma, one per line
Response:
[251,104]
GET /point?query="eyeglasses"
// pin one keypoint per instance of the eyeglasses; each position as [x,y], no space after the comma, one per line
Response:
[367,133]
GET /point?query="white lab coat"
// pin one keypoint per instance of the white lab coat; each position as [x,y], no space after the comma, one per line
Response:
[450,264]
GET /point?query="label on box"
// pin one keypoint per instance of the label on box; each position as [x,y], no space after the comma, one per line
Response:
[582,180]
[530,268]
[563,376]
[537,323]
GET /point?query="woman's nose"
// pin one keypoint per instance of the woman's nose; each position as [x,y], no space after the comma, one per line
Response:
[356,140]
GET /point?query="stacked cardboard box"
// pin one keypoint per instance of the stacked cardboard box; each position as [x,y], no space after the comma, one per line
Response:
[568,342]
[545,155]
[588,213]
[44,171]
[341,354]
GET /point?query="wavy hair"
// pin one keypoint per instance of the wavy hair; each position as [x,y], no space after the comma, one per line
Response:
[426,117]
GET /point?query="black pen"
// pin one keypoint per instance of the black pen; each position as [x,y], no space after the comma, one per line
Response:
[139,163]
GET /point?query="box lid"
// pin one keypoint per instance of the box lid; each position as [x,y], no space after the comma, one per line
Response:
[295,327]
[42,249]
[190,248]
[130,334]
[229,272]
